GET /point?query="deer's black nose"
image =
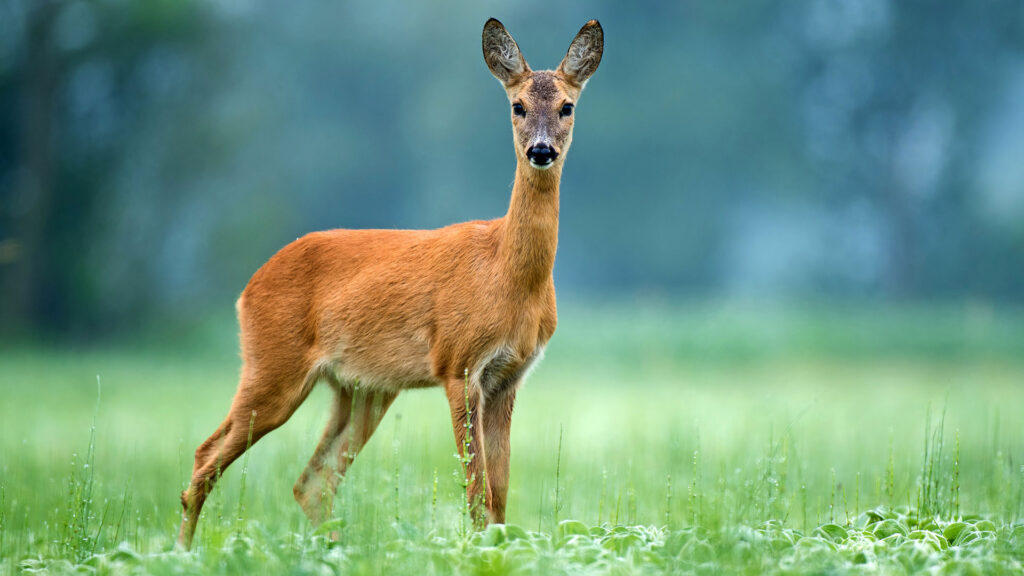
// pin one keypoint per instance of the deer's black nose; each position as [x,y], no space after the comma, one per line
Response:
[541,154]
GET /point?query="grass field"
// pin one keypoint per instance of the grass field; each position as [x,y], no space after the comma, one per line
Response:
[653,439]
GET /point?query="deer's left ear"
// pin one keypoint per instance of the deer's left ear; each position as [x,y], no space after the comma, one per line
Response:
[584,54]
[502,53]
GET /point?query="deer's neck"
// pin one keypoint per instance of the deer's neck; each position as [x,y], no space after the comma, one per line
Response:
[530,232]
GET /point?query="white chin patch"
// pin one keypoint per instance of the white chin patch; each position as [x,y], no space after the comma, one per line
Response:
[542,166]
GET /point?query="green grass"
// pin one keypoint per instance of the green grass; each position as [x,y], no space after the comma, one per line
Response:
[652,439]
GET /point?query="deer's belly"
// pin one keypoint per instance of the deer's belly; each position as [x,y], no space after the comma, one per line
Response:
[390,363]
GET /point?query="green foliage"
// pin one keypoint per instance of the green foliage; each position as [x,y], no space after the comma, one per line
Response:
[627,461]
[979,547]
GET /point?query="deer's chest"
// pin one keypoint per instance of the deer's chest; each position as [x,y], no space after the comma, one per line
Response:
[504,368]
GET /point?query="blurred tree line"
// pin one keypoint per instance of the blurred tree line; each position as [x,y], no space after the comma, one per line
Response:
[153,154]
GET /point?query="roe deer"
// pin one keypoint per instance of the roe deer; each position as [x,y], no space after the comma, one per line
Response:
[374,312]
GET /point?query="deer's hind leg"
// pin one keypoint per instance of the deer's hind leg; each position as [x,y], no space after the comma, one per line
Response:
[355,415]
[264,400]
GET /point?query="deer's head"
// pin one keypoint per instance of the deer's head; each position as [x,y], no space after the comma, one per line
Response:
[543,101]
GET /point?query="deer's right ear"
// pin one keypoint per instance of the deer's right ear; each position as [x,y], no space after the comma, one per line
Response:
[502,53]
[584,54]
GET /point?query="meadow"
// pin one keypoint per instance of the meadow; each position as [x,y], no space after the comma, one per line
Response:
[693,439]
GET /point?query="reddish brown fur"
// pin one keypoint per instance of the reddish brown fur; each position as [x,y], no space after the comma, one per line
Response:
[374,312]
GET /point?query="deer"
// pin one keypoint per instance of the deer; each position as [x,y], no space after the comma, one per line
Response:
[468,308]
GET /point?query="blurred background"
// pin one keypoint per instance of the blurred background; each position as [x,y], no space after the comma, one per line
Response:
[154,154]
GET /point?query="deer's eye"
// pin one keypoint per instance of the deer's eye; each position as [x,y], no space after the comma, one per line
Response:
[566,110]
[518,109]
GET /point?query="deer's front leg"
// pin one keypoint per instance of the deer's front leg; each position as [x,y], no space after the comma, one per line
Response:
[465,407]
[497,428]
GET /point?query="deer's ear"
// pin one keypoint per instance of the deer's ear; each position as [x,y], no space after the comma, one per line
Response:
[584,54]
[502,53]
